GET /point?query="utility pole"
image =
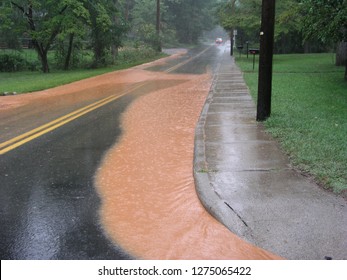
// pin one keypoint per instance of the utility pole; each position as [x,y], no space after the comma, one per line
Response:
[265,59]
[232,35]
[158,26]
[232,42]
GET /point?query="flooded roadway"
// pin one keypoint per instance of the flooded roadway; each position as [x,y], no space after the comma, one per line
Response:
[146,205]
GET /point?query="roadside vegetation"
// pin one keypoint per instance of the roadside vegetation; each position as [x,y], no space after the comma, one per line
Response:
[301,26]
[309,113]
[75,39]
[48,43]
[28,79]
[102,27]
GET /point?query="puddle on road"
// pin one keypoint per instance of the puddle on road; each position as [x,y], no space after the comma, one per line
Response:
[149,203]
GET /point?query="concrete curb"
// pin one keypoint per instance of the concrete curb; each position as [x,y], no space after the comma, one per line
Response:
[209,198]
[245,181]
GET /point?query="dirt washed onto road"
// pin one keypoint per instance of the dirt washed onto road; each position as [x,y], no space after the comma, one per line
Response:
[87,89]
[149,203]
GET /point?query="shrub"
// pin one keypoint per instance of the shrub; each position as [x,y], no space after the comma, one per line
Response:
[12,62]
[130,55]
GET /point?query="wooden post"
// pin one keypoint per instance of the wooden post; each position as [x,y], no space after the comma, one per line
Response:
[232,42]
[265,59]
[232,29]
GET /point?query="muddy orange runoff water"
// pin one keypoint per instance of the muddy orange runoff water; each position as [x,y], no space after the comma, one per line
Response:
[149,203]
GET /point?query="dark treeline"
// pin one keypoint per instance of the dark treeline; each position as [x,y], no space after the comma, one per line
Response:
[301,25]
[102,26]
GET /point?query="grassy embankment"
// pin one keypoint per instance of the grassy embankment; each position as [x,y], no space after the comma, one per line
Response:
[309,114]
[29,81]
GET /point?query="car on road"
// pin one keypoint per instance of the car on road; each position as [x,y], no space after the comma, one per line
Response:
[219,41]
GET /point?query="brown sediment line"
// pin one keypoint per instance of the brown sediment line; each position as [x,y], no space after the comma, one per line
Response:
[87,88]
[149,203]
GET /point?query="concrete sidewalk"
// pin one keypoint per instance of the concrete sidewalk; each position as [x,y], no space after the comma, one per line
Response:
[245,180]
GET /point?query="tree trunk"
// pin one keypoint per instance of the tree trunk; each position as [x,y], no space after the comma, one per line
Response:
[42,53]
[126,13]
[114,53]
[69,52]
[341,56]
[341,53]
[306,47]
[99,58]
[44,62]
[158,27]
[41,48]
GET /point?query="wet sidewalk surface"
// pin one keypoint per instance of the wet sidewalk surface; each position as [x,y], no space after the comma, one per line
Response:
[245,180]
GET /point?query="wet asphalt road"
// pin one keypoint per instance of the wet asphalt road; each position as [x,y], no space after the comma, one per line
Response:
[49,208]
[48,204]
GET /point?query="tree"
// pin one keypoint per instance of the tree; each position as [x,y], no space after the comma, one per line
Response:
[144,21]
[190,18]
[73,26]
[60,23]
[119,28]
[107,28]
[100,24]
[10,26]
[288,35]
[326,20]
[244,15]
[44,22]
[180,20]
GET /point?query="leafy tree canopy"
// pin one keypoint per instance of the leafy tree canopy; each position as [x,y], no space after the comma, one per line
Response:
[324,19]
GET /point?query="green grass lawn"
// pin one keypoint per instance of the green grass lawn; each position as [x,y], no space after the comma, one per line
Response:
[309,113]
[23,82]
[27,81]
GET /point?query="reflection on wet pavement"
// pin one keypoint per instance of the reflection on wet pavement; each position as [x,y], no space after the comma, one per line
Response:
[48,201]
[149,203]
[49,208]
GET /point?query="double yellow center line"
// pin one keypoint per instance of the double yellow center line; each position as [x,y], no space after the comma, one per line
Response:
[173,68]
[37,132]
[41,130]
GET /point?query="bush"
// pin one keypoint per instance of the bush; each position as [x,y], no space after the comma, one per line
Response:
[12,63]
[130,55]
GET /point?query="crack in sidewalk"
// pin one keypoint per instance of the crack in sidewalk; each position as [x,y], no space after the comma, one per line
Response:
[232,209]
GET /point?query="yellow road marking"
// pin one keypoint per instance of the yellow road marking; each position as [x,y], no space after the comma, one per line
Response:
[15,139]
[187,61]
[35,133]
[41,130]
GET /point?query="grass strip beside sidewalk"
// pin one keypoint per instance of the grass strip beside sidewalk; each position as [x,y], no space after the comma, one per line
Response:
[309,114]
